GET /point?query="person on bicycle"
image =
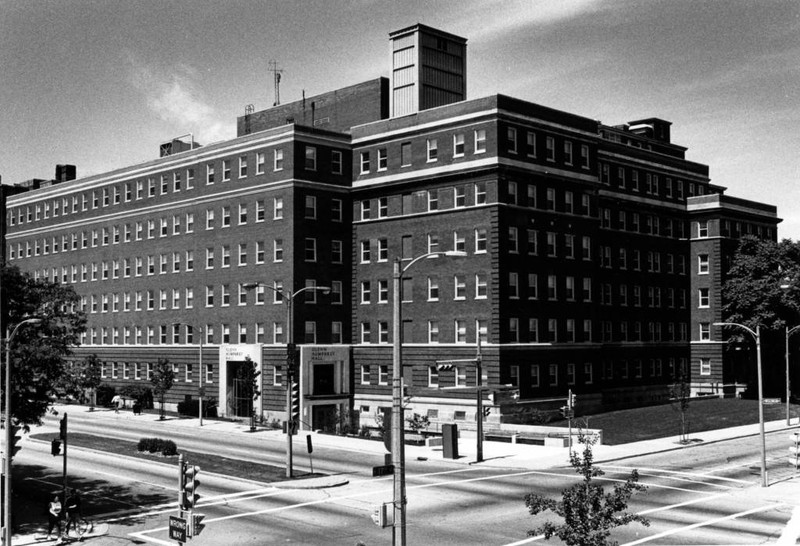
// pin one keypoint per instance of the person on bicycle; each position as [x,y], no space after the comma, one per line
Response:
[73,506]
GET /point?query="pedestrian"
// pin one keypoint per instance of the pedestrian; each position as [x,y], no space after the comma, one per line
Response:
[54,517]
[73,511]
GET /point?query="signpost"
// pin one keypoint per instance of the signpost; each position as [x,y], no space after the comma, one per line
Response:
[177,528]
[383,470]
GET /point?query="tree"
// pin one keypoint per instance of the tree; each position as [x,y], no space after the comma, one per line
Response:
[38,351]
[247,374]
[162,380]
[589,513]
[84,377]
[754,293]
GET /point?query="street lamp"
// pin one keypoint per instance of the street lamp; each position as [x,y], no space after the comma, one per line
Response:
[200,391]
[757,336]
[7,467]
[288,299]
[398,445]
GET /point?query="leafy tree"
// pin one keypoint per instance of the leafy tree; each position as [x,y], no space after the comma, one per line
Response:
[83,377]
[418,422]
[162,380]
[589,512]
[248,374]
[763,284]
[38,351]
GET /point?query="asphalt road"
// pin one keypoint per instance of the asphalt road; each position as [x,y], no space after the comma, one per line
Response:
[706,494]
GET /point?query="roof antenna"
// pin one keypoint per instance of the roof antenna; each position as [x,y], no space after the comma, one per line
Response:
[276,76]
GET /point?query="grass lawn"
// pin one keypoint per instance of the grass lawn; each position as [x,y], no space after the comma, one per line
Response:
[633,425]
[206,462]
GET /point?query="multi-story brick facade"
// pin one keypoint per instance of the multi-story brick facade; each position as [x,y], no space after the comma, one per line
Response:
[579,269]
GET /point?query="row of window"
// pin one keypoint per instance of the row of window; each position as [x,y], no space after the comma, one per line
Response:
[565,331]
[733,229]
[610,371]
[157,228]
[143,371]
[163,184]
[650,183]
[178,334]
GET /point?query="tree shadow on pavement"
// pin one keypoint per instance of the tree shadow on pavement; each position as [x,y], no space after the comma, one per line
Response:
[34,487]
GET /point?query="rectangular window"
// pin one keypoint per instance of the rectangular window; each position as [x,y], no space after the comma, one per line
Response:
[405,154]
[550,143]
[383,159]
[705,366]
[458,145]
[702,264]
[277,160]
[433,150]
[311,158]
[704,298]
[364,162]
[480,141]
[336,162]
[511,137]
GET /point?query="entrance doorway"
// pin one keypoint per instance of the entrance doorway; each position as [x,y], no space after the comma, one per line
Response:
[240,390]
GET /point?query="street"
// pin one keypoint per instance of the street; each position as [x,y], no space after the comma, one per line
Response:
[704,494]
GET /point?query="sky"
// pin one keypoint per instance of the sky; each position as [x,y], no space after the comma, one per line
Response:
[101,83]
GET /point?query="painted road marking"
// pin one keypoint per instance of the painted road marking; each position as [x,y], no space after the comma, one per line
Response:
[664,471]
[704,524]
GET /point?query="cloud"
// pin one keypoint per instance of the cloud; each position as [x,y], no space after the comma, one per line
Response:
[486,21]
[173,95]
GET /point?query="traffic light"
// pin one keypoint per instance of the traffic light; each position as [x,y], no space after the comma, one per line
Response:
[487,411]
[63,428]
[564,411]
[55,447]
[15,438]
[295,413]
[187,495]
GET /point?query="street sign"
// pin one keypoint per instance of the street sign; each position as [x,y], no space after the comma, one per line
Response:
[771,401]
[177,528]
[383,470]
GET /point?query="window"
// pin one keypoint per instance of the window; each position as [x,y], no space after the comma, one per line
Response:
[513,285]
[433,289]
[311,207]
[210,173]
[584,156]
[242,214]
[261,160]
[226,170]
[568,152]
[433,331]
[460,287]
[703,298]
[310,249]
[480,240]
[433,200]
[383,207]
[480,193]
[480,141]
[383,159]
[243,166]
[705,366]
[366,210]
[513,330]
[433,150]
[383,374]
[458,145]
[336,162]
[277,208]
[705,331]
[365,333]
[365,374]
[277,250]
[433,376]
[278,160]
[511,136]
[702,264]
[551,148]
[365,251]
[481,290]
[459,241]
[311,158]
[702,229]
[364,162]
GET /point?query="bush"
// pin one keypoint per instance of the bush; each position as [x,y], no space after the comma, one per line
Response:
[157,445]
[104,395]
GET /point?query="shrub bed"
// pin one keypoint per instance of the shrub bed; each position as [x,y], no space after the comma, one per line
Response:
[157,445]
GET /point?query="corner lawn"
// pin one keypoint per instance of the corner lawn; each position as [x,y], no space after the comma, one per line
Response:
[633,425]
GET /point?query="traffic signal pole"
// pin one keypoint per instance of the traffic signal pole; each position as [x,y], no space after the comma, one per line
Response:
[64,439]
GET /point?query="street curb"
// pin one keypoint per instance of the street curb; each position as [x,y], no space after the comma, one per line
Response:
[215,474]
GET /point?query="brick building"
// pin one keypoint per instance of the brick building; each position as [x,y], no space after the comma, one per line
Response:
[593,254]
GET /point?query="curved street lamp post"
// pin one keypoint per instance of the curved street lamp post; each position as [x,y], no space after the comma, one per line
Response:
[757,337]
[398,445]
[288,300]
[10,334]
